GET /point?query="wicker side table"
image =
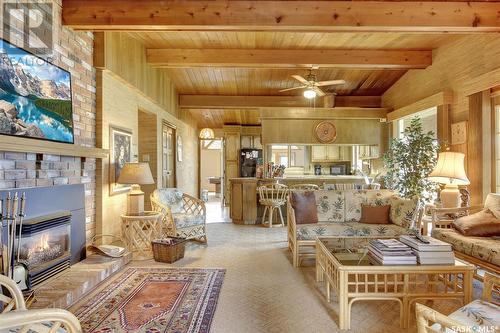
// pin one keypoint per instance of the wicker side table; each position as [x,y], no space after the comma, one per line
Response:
[139,230]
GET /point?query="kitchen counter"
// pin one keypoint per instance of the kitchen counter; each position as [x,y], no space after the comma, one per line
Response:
[245,208]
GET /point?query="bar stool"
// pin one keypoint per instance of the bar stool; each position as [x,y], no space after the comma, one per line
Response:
[272,197]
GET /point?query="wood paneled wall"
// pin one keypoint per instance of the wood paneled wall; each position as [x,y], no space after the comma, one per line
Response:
[466,66]
[148,147]
[126,57]
[132,95]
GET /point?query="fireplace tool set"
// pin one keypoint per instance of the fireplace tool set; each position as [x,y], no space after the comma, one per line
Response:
[12,213]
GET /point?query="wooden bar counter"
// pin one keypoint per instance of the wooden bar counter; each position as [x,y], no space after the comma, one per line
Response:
[245,208]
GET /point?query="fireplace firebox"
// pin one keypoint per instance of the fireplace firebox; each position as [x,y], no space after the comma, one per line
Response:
[45,245]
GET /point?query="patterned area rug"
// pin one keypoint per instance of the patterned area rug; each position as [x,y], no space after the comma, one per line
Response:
[154,300]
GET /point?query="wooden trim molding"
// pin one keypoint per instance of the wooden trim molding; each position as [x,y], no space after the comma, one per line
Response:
[441,98]
[376,16]
[253,102]
[246,58]
[16,144]
[324,113]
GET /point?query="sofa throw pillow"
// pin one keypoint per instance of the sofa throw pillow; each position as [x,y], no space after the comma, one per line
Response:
[355,198]
[480,224]
[493,204]
[375,214]
[304,204]
[403,211]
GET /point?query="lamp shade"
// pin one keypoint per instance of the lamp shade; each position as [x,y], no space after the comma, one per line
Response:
[207,134]
[450,169]
[136,173]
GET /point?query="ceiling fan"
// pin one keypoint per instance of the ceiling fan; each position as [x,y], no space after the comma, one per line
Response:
[311,85]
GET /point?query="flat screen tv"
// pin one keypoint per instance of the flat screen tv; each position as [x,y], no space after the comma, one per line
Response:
[35,96]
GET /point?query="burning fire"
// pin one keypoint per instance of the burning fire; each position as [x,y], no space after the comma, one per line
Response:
[42,246]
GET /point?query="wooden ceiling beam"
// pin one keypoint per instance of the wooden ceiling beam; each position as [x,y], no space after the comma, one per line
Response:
[258,58]
[254,102]
[328,16]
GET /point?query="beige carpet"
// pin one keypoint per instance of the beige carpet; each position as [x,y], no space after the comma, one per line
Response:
[262,292]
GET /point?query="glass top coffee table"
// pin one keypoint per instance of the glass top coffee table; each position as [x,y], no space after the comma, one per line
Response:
[354,278]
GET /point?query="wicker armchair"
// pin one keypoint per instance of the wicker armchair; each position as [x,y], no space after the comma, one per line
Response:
[183,215]
[16,317]
[478,316]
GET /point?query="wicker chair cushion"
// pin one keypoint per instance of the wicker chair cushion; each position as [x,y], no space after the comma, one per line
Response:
[480,315]
[311,231]
[170,197]
[183,220]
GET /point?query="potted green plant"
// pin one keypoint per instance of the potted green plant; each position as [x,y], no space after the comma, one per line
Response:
[409,161]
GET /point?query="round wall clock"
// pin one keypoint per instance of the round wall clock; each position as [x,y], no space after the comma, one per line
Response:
[325,132]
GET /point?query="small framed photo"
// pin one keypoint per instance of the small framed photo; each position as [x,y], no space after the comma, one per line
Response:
[120,152]
[459,133]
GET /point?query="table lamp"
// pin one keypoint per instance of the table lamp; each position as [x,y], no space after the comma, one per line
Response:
[135,174]
[450,171]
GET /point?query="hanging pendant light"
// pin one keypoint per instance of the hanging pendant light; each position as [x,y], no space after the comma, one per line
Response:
[207,134]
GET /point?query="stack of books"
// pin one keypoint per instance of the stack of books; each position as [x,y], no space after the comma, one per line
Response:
[390,252]
[431,252]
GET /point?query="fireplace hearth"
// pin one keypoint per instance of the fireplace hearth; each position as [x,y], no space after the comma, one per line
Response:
[45,245]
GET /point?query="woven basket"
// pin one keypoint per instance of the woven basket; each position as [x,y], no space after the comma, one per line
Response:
[168,252]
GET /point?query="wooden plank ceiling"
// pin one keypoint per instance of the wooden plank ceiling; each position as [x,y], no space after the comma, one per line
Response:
[240,81]
[165,31]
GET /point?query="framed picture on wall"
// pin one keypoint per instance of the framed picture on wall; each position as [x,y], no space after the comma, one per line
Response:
[179,148]
[459,133]
[120,152]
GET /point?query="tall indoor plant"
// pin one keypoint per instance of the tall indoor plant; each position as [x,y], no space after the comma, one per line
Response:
[409,161]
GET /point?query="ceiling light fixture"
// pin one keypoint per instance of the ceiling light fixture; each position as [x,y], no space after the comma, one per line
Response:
[207,134]
[309,94]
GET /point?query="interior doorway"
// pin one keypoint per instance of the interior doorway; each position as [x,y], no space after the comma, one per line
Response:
[211,179]
[168,156]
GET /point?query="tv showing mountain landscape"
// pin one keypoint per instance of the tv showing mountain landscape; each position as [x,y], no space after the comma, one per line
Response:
[35,96]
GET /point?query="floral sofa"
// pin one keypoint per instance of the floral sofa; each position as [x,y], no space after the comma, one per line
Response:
[339,213]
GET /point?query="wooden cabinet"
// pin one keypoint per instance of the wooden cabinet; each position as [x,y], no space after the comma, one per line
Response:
[318,153]
[369,152]
[243,209]
[329,153]
[251,141]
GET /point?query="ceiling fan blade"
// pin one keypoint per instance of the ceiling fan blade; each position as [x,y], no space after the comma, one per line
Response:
[318,91]
[300,79]
[288,89]
[329,83]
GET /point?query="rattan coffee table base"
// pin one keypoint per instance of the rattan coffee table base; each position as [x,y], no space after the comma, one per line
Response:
[404,285]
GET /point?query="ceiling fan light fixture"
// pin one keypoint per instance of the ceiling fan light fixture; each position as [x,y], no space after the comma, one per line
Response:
[309,94]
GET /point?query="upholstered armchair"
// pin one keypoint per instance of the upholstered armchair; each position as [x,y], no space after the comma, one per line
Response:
[481,315]
[183,215]
[16,318]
